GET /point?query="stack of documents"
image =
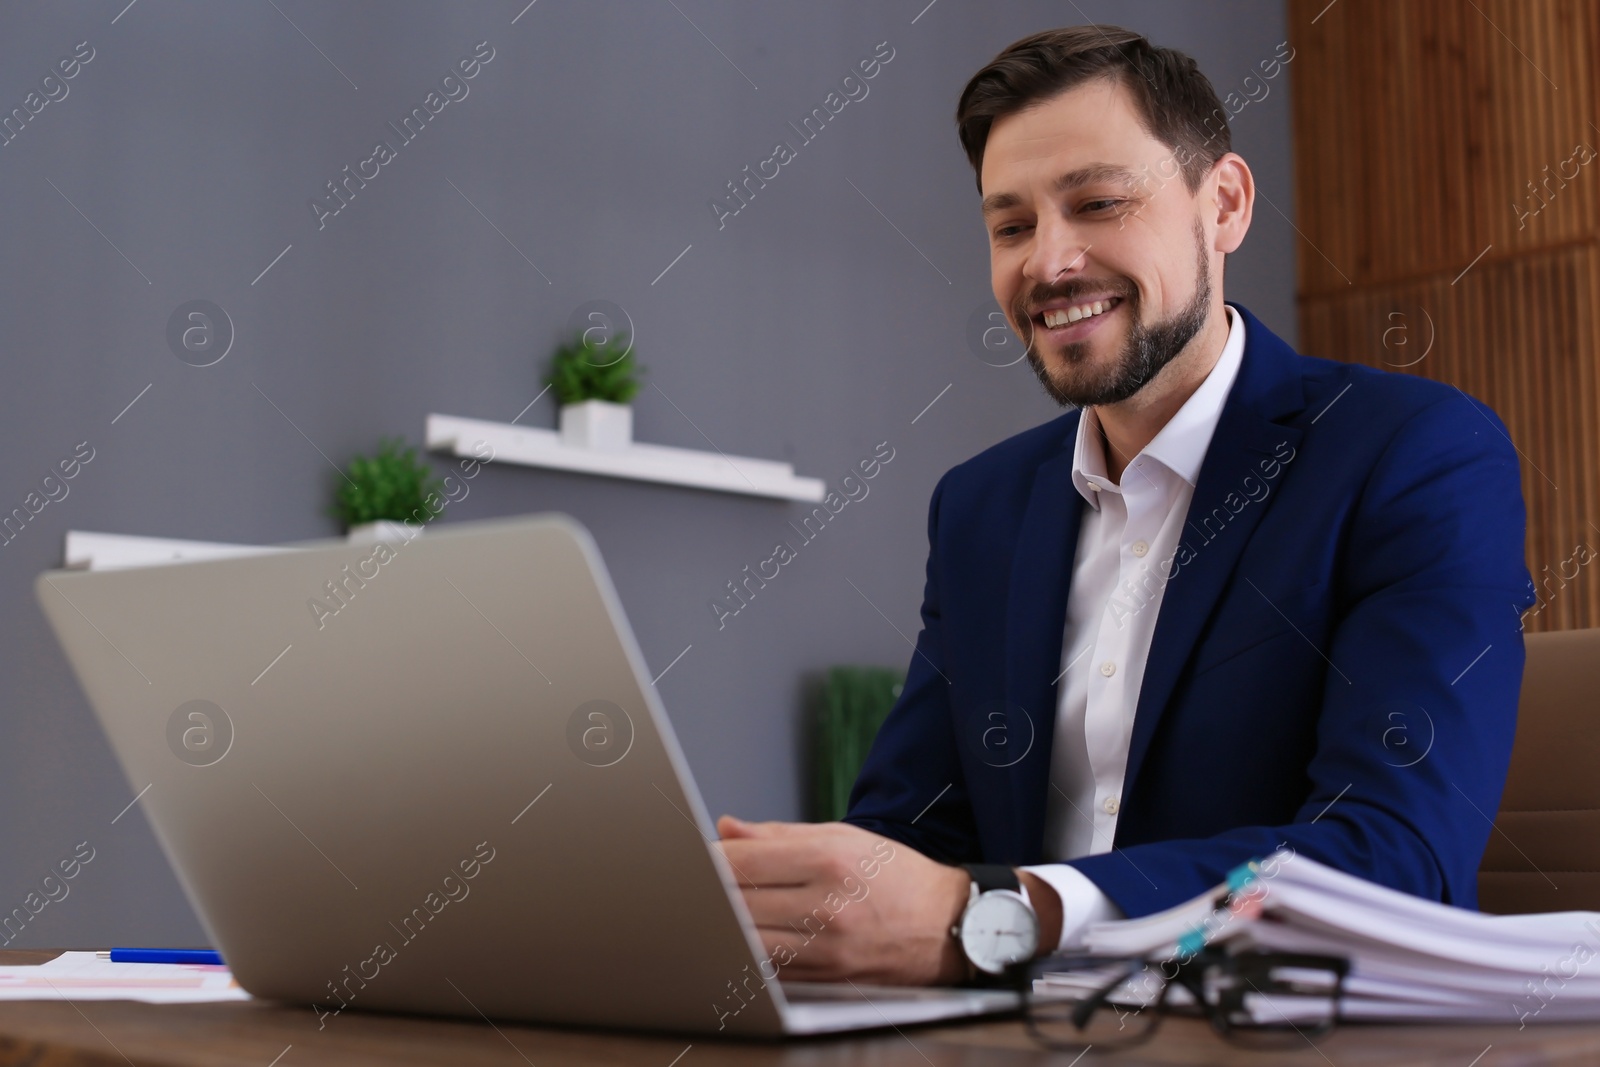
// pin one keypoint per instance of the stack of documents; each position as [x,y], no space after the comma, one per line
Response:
[74,976]
[1410,959]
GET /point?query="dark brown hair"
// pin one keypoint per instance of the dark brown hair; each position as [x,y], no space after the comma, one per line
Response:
[1175,102]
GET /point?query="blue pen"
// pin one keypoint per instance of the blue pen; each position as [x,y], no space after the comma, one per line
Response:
[166,955]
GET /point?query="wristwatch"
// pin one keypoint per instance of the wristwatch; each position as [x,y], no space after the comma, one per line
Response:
[998,927]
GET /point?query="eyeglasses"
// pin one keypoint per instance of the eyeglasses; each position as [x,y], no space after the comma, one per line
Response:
[1250,998]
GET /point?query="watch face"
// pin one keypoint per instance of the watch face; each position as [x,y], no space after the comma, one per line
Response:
[997,930]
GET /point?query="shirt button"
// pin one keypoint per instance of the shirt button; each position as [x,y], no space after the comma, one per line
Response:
[1108,668]
[1140,548]
[1110,805]
[1093,488]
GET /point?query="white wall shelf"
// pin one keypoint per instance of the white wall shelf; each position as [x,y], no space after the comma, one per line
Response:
[536,447]
[85,550]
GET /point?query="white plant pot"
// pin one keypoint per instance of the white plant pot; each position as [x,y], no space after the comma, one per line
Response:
[597,424]
[385,530]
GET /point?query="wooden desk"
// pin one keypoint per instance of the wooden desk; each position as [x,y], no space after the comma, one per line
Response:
[119,1033]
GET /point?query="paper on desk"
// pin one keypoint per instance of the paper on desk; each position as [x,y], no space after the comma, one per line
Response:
[86,976]
[1410,959]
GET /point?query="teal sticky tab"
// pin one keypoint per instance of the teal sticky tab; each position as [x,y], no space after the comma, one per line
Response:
[1192,942]
[1242,875]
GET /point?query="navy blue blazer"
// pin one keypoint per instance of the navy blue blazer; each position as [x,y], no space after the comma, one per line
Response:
[1335,665]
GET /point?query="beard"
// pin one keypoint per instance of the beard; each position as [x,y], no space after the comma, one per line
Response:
[1148,348]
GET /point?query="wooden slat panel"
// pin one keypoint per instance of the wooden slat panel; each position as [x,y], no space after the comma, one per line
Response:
[1422,124]
[1434,136]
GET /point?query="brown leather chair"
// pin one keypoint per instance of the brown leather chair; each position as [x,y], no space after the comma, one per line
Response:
[1544,854]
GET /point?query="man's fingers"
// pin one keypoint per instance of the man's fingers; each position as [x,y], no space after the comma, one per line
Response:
[772,863]
[730,826]
[804,907]
[800,959]
[800,854]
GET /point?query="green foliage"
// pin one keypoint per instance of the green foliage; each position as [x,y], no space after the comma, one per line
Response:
[582,370]
[850,705]
[391,485]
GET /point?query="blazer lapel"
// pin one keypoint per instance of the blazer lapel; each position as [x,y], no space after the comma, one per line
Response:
[1269,386]
[1036,613]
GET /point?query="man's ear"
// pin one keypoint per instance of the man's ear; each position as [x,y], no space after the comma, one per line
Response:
[1234,199]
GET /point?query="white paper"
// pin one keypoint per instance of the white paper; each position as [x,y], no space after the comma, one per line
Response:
[74,976]
[1409,958]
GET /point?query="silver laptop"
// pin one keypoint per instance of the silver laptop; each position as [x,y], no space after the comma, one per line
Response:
[433,776]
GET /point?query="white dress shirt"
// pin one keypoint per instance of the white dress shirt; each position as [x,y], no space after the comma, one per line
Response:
[1127,539]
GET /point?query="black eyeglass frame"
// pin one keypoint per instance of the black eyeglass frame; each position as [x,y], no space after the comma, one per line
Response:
[1248,972]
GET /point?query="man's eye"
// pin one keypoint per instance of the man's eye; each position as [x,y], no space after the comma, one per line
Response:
[1007,231]
[1100,205]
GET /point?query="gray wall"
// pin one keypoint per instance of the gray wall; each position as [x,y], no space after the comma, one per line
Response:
[808,328]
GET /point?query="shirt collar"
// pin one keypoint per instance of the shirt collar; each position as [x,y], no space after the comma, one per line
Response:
[1181,444]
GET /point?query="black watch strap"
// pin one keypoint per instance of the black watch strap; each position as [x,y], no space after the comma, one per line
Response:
[993,876]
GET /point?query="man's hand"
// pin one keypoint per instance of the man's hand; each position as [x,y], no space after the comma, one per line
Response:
[833,901]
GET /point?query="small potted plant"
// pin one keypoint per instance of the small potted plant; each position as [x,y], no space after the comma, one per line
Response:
[593,383]
[378,494]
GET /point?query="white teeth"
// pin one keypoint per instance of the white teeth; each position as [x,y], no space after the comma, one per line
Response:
[1062,316]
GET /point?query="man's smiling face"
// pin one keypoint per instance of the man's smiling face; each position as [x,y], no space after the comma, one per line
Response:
[1085,211]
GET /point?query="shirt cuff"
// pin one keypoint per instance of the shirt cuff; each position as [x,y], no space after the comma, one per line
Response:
[1082,902]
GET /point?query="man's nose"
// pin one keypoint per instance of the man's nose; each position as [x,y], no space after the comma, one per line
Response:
[1058,249]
